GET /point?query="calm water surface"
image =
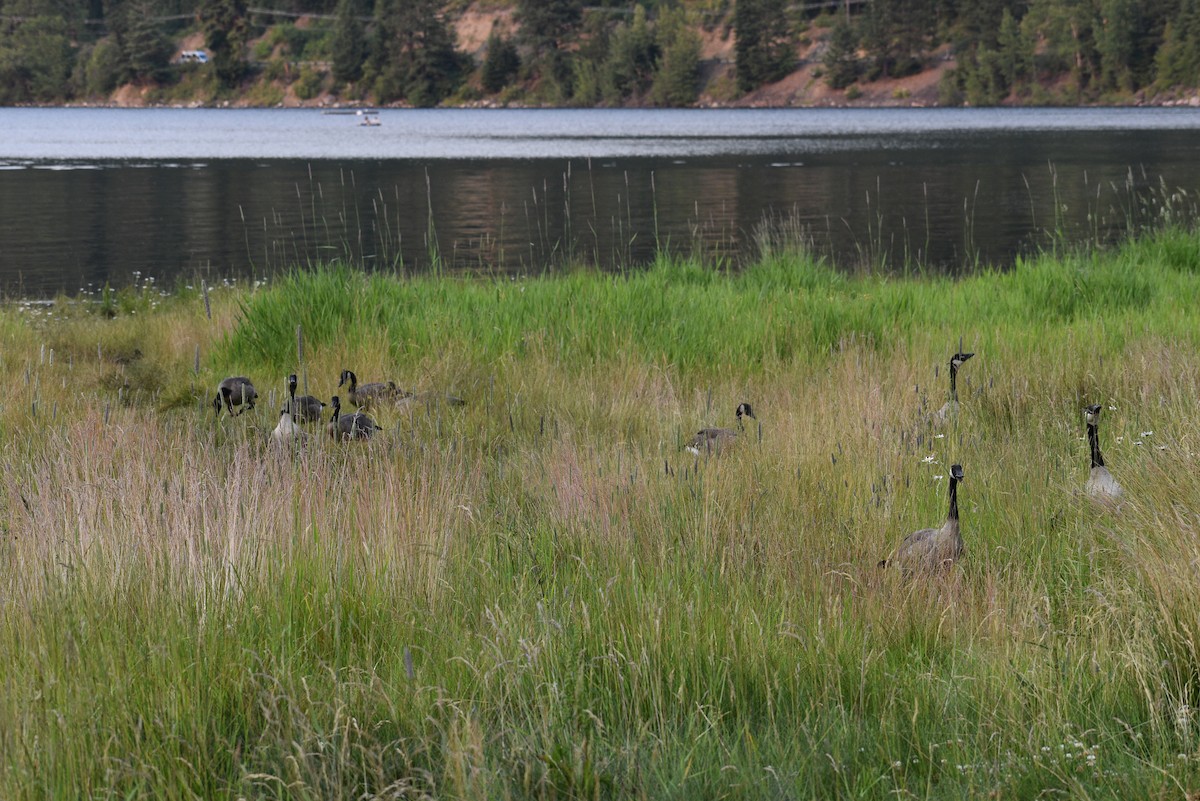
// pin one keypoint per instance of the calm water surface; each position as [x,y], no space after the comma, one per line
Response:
[89,196]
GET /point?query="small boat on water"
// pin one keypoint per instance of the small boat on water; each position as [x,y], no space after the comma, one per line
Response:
[367,117]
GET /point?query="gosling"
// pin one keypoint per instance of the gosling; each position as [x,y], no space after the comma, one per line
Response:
[350,426]
[950,408]
[715,439]
[366,395]
[932,549]
[235,391]
[305,408]
[1100,484]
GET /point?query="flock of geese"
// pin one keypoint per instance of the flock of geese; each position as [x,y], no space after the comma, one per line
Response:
[933,549]
[925,551]
[239,391]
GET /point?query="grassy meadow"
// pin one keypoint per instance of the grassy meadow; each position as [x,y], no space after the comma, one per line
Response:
[543,595]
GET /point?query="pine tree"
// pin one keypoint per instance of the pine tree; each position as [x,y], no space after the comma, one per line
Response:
[763,49]
[896,35]
[144,44]
[413,53]
[1014,56]
[36,59]
[632,58]
[677,78]
[500,64]
[349,43]
[1178,60]
[841,59]
[546,28]
[1062,29]
[226,31]
[1115,42]
[547,24]
[979,20]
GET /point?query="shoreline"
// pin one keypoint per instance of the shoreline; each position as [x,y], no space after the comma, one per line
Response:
[1191,101]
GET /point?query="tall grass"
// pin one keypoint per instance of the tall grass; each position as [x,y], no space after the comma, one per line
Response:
[542,595]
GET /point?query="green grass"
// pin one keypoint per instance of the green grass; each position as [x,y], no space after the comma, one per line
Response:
[542,595]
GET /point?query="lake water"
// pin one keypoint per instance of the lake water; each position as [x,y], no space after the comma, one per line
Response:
[89,196]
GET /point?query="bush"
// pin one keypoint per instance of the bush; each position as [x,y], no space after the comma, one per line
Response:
[308,85]
[104,69]
[264,94]
[275,70]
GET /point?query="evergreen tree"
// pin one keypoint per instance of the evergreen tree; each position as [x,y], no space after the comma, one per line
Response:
[1178,60]
[546,25]
[144,45]
[226,31]
[841,59]
[980,77]
[588,62]
[632,58]
[979,20]
[1115,40]
[349,43]
[896,35]
[1014,56]
[500,64]
[415,57]
[36,59]
[677,78]
[1062,30]
[763,48]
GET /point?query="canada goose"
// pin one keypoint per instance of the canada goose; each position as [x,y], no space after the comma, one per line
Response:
[235,391]
[350,426]
[287,430]
[933,549]
[714,439]
[305,408]
[1100,484]
[364,395]
[950,408]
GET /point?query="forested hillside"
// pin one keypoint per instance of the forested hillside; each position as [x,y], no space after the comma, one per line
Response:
[563,52]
